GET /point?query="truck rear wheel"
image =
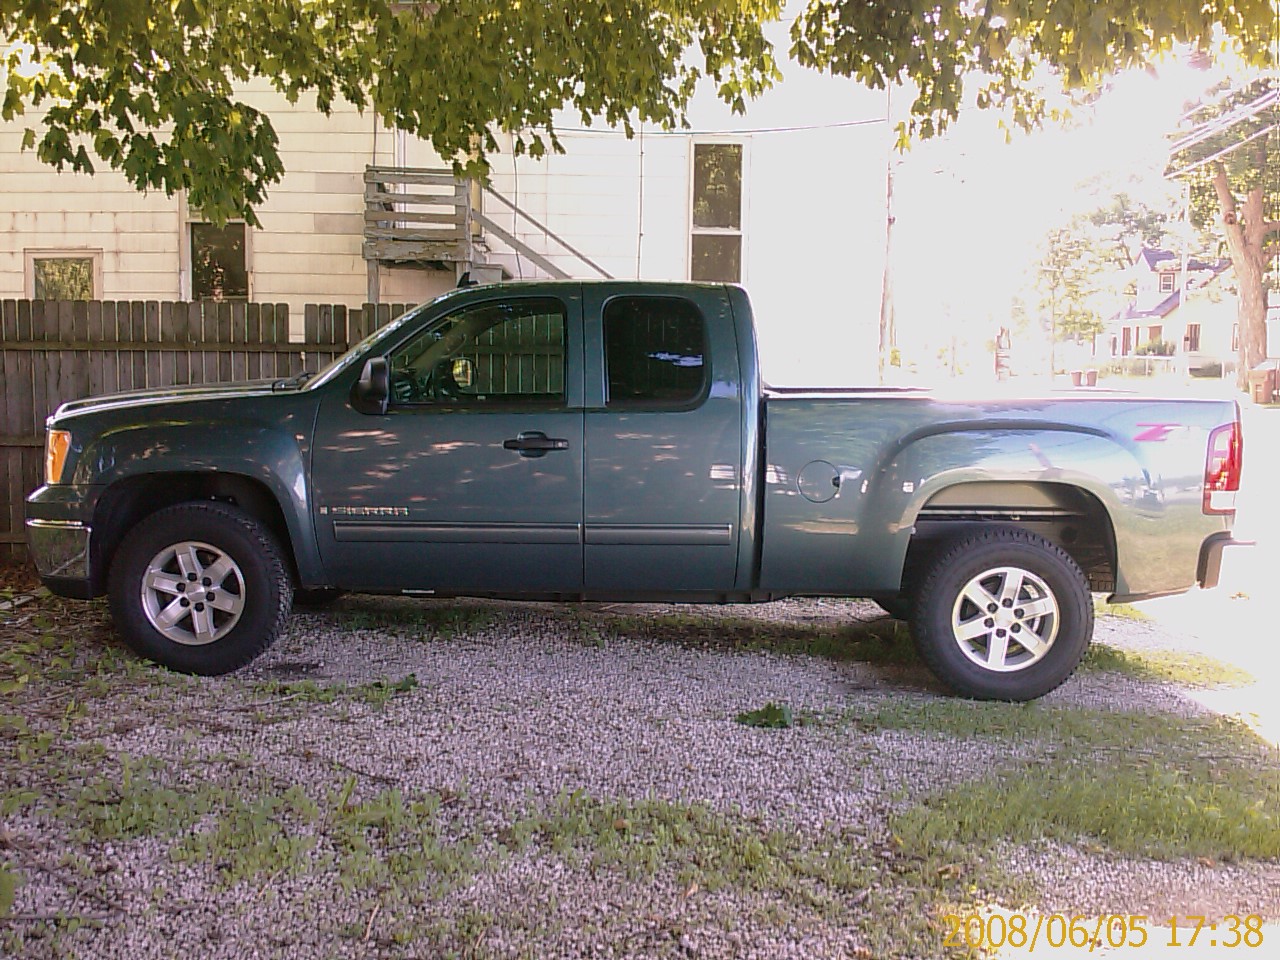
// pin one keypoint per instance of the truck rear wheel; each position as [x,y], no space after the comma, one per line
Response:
[1003,615]
[200,587]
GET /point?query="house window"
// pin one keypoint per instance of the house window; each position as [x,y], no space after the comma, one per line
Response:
[1192,340]
[1166,283]
[64,274]
[1235,337]
[716,233]
[219,262]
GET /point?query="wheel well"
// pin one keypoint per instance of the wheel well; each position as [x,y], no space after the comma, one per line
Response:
[1072,518]
[124,504]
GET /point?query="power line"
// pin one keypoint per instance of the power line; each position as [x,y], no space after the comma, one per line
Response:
[745,131]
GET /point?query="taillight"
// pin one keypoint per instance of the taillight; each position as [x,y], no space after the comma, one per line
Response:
[1222,468]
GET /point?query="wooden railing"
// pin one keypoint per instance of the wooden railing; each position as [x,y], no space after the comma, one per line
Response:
[413,214]
[416,214]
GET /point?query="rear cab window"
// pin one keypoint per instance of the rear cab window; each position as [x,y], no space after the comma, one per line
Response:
[655,354]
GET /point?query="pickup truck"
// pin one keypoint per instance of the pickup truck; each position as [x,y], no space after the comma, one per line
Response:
[614,441]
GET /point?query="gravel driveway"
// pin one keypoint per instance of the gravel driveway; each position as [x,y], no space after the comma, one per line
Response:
[400,778]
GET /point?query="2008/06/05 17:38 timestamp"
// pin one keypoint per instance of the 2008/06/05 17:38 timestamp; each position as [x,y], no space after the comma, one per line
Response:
[1056,930]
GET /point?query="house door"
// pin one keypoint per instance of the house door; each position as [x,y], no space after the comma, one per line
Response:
[472,479]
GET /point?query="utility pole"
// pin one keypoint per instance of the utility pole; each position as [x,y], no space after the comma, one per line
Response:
[888,335]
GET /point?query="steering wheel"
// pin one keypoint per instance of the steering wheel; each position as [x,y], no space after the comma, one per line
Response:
[443,385]
[405,387]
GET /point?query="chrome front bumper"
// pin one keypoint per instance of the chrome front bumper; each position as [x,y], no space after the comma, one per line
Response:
[60,549]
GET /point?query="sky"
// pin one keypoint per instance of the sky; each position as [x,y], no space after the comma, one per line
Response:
[972,211]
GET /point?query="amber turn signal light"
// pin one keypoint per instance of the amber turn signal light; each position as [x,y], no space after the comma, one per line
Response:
[56,446]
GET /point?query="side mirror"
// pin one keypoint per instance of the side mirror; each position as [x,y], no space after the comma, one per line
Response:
[373,389]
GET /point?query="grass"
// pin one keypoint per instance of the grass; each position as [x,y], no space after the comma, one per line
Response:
[1185,668]
[1124,611]
[376,693]
[1115,782]
[1134,783]
[794,878]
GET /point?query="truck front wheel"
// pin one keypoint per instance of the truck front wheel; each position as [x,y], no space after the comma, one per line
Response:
[200,587]
[1003,615]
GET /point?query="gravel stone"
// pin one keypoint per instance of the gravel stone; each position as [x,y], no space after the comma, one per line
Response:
[542,702]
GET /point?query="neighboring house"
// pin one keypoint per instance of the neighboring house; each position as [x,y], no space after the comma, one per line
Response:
[1193,321]
[789,200]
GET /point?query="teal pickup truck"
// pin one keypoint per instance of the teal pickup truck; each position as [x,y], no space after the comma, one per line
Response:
[614,441]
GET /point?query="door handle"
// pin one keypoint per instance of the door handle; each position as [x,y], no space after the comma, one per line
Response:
[535,443]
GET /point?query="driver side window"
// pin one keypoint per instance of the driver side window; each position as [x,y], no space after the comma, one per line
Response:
[488,354]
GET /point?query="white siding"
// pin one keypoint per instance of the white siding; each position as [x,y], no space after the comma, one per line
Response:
[307,250]
[813,208]
[814,216]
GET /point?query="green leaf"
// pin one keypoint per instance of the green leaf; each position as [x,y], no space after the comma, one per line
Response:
[10,881]
[775,716]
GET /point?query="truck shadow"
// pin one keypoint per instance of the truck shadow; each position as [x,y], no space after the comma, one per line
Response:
[837,631]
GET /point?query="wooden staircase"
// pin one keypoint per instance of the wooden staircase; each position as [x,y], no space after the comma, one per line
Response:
[417,215]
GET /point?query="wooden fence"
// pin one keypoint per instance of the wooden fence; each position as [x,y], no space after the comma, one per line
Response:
[55,351]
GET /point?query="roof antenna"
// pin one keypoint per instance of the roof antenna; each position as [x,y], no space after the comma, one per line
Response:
[466,281]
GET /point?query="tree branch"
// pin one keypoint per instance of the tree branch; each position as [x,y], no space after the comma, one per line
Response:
[1230,211]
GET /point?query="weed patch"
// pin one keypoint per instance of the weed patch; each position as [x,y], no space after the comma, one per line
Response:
[774,716]
[1148,785]
[1185,668]
[376,693]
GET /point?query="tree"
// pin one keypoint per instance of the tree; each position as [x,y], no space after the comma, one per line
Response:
[1012,46]
[1083,275]
[109,73]
[1230,157]
[1068,279]
[147,87]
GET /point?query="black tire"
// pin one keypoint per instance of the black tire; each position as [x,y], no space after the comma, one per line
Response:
[313,597]
[1047,623]
[226,565]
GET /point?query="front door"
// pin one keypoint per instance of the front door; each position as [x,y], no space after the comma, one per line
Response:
[472,479]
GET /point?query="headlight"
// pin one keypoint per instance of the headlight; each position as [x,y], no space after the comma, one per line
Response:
[56,445]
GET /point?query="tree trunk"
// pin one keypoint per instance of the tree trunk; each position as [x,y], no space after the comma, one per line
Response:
[1246,232]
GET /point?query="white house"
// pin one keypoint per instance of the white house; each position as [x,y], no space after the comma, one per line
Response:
[1180,310]
[788,199]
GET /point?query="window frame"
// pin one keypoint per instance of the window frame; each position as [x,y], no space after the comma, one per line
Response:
[649,406]
[32,254]
[186,266]
[743,208]
[1167,277]
[562,403]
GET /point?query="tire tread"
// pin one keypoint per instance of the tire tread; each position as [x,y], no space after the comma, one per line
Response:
[1014,686]
[219,657]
